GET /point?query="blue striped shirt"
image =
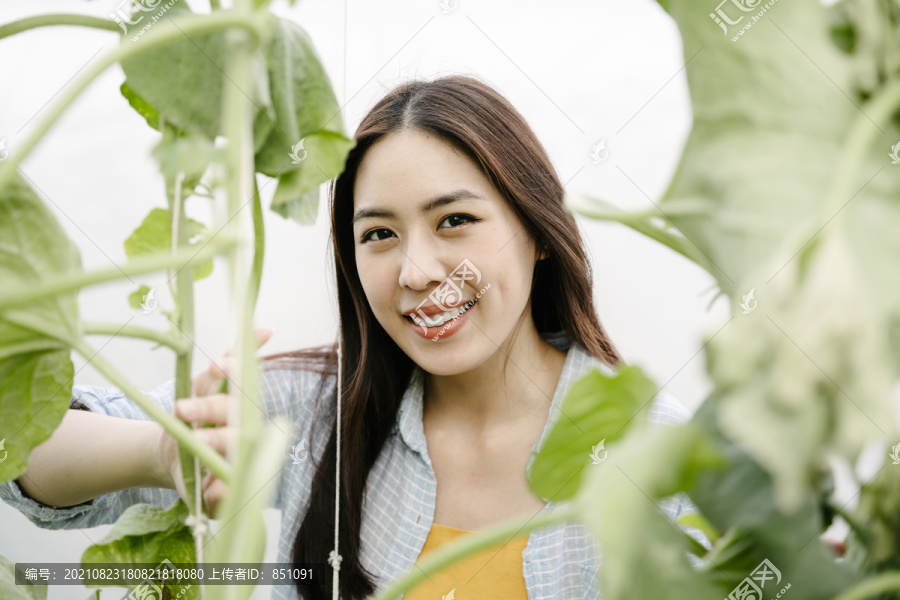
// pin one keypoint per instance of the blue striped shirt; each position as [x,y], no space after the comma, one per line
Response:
[559,562]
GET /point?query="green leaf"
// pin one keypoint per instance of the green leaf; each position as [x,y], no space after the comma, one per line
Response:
[305,109]
[155,235]
[35,369]
[183,81]
[698,521]
[739,499]
[190,154]
[645,555]
[784,142]
[35,389]
[302,207]
[598,408]
[10,591]
[137,298]
[34,249]
[142,107]
[146,533]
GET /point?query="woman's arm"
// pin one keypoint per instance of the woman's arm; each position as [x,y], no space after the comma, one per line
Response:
[92,454]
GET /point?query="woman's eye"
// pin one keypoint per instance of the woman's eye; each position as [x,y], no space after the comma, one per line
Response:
[376,235]
[457,220]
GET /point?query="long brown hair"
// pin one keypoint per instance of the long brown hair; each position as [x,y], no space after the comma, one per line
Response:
[480,122]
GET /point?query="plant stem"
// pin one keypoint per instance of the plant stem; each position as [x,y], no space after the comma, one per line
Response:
[156,37]
[95,328]
[466,545]
[56,19]
[184,302]
[174,426]
[240,540]
[259,250]
[138,266]
[873,586]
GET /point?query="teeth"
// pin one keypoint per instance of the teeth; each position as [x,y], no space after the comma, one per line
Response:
[439,319]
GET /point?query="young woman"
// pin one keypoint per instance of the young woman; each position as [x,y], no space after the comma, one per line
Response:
[466,313]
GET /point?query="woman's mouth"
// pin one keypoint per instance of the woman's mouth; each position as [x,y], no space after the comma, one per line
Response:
[439,319]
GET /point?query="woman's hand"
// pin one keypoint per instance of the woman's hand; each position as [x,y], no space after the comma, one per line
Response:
[205,407]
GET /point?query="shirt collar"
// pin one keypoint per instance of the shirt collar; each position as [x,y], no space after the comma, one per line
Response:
[409,416]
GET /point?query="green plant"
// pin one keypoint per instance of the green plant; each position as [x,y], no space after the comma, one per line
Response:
[266,94]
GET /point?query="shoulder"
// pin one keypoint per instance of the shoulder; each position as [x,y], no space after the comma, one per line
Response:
[295,383]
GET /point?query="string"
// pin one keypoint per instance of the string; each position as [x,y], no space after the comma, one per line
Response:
[334,557]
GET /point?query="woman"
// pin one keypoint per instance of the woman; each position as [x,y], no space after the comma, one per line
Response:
[466,313]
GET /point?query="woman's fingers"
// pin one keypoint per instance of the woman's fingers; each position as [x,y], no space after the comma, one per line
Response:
[203,409]
[213,490]
[217,437]
[207,381]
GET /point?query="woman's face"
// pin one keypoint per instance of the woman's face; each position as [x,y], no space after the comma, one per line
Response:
[432,233]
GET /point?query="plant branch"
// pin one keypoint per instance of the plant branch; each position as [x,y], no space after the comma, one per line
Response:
[139,266]
[873,586]
[156,37]
[56,19]
[174,426]
[96,328]
[447,555]
[878,110]
[259,250]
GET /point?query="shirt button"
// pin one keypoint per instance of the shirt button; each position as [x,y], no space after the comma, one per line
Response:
[419,518]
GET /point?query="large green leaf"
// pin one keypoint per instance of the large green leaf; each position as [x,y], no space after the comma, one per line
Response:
[305,108]
[146,533]
[155,235]
[35,369]
[34,248]
[35,388]
[645,555]
[598,408]
[183,81]
[740,497]
[297,194]
[10,591]
[307,146]
[786,194]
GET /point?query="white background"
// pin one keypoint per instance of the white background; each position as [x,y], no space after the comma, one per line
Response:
[578,71]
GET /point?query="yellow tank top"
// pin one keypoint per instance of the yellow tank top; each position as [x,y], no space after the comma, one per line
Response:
[493,573]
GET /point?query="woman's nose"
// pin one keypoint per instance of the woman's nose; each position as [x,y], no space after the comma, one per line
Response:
[420,266]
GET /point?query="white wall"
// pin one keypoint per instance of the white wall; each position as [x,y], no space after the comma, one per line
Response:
[579,71]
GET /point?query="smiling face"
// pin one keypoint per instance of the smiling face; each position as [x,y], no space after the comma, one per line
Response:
[421,208]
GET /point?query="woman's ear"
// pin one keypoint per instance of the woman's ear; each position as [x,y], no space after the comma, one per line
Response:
[543,251]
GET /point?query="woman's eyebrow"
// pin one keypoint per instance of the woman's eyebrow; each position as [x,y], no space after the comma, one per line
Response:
[442,200]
